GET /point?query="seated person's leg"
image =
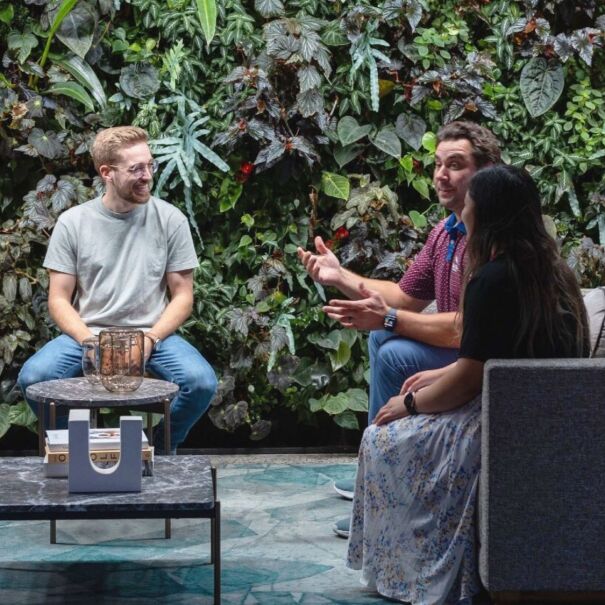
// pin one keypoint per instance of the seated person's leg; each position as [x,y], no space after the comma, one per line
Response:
[393,359]
[59,358]
[179,362]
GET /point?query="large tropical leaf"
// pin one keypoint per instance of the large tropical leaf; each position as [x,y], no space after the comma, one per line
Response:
[206,11]
[410,128]
[335,185]
[64,9]
[349,131]
[77,28]
[139,80]
[542,83]
[388,141]
[74,91]
[85,75]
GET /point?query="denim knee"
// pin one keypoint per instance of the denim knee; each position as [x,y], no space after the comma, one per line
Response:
[200,387]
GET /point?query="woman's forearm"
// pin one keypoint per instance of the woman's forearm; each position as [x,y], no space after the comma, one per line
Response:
[461,383]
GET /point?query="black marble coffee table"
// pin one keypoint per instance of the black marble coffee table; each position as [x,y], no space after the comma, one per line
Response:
[181,487]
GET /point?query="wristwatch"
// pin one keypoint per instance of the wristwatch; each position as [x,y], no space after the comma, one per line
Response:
[155,339]
[390,320]
[410,403]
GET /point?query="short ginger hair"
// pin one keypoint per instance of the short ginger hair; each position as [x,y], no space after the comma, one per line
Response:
[110,141]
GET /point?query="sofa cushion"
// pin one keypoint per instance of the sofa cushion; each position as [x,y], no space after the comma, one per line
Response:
[594,301]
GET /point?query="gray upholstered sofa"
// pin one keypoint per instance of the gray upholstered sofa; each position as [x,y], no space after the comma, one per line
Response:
[542,483]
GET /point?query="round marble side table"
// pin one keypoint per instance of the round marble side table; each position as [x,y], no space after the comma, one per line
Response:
[152,396]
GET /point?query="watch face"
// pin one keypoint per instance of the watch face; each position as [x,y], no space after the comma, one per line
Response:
[390,320]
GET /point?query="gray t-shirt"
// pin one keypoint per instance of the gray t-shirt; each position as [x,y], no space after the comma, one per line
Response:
[121,260]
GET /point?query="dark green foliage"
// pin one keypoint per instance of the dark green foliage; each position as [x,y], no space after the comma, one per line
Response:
[302,118]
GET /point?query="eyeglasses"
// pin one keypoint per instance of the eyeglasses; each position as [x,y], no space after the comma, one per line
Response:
[139,170]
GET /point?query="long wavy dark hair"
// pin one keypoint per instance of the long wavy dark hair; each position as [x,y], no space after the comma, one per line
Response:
[508,222]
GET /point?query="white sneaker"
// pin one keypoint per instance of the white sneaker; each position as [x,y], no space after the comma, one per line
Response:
[345,488]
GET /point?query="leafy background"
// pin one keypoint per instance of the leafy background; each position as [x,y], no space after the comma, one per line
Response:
[275,121]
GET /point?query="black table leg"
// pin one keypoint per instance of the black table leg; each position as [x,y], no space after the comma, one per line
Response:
[41,428]
[215,550]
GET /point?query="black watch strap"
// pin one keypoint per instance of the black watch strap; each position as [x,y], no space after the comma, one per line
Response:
[410,403]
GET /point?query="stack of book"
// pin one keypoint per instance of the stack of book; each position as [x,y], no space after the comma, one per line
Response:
[104,451]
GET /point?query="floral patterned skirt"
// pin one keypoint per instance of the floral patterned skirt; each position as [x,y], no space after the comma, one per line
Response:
[413,526]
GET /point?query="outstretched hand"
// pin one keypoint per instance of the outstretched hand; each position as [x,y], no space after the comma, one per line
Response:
[366,313]
[323,267]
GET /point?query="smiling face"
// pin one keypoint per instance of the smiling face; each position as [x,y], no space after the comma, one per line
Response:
[130,179]
[454,168]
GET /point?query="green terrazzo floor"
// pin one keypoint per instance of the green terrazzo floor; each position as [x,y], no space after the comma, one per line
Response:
[277,548]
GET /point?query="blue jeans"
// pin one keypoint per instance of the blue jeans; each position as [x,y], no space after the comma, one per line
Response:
[393,359]
[175,360]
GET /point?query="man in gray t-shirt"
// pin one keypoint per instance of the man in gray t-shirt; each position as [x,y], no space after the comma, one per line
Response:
[125,259]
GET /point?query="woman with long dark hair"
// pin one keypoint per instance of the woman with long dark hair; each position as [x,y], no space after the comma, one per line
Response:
[412,531]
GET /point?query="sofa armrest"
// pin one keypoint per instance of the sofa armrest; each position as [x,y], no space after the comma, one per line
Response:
[542,483]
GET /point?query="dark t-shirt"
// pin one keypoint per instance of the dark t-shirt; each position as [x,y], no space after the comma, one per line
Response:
[491,316]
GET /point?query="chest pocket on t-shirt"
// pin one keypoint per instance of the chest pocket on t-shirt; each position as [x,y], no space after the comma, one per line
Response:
[156,259]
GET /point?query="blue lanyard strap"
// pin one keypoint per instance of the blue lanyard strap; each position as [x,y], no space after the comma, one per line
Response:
[453,229]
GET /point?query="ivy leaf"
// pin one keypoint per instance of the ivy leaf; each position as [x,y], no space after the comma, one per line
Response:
[4,418]
[335,185]
[77,29]
[541,85]
[410,128]
[341,356]
[388,141]
[331,340]
[74,91]
[47,144]
[429,141]
[344,155]
[418,220]
[347,420]
[421,186]
[357,400]
[269,8]
[350,131]
[24,43]
[22,415]
[308,78]
[206,11]
[6,16]
[139,80]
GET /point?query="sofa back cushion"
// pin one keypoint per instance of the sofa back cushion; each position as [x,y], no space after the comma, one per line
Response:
[594,301]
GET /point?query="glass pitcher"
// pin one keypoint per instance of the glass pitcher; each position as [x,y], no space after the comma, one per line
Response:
[122,359]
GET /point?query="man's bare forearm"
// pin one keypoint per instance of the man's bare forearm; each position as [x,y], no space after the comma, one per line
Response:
[437,329]
[67,319]
[173,317]
[390,291]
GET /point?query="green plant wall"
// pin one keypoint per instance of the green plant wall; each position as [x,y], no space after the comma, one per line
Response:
[275,121]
